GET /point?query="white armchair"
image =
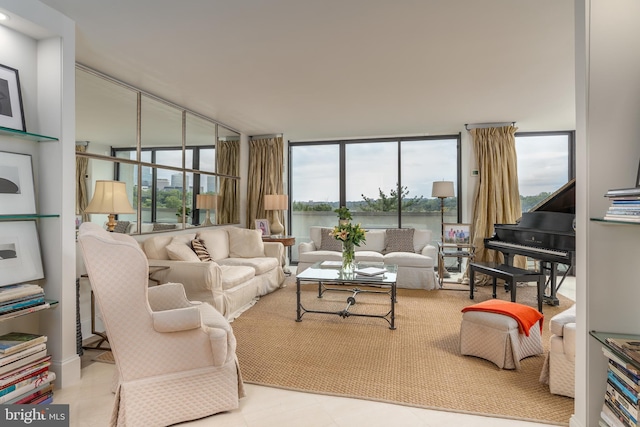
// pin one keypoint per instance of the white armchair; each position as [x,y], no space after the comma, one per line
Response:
[176,360]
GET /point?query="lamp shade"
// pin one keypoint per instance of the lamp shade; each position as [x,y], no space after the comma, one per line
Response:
[442,189]
[110,197]
[207,201]
[276,202]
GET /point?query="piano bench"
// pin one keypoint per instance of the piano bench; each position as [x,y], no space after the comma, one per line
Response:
[511,275]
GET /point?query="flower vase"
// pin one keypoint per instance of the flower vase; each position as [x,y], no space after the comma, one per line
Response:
[348,256]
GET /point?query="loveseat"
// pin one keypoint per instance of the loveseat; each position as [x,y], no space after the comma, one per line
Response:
[408,248]
[227,267]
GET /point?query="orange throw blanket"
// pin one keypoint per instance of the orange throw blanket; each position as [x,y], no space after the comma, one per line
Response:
[525,316]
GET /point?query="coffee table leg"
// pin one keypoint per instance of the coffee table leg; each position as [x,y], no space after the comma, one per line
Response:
[299,311]
[393,307]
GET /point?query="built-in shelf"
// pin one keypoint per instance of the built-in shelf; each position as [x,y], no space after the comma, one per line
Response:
[609,221]
[26,135]
[27,216]
[48,304]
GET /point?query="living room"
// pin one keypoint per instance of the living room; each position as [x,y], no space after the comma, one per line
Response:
[598,167]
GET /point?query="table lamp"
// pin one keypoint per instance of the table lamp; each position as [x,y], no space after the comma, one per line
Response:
[442,190]
[110,197]
[276,202]
[208,202]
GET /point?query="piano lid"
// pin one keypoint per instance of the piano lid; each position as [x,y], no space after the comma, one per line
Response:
[562,200]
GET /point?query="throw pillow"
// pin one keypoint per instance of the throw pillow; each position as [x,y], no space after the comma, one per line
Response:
[217,242]
[200,250]
[328,242]
[121,226]
[245,243]
[161,227]
[178,251]
[399,240]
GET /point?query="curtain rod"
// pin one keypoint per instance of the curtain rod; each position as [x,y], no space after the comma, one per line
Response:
[272,135]
[469,126]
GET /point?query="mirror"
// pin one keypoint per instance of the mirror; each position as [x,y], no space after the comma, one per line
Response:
[172,172]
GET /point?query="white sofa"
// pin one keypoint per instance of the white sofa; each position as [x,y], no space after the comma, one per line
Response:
[409,249]
[560,364]
[242,267]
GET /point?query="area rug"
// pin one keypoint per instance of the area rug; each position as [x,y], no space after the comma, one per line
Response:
[105,357]
[418,364]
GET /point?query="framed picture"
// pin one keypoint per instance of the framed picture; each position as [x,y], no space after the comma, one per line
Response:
[20,259]
[457,233]
[11,112]
[263,225]
[17,193]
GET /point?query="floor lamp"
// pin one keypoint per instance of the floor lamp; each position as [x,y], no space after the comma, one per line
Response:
[442,190]
[276,202]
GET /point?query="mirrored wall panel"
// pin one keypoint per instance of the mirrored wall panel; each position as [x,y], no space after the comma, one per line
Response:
[181,169]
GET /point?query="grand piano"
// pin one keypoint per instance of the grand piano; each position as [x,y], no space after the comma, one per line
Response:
[546,233]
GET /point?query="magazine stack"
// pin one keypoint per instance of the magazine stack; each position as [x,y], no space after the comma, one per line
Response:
[21,299]
[625,205]
[24,369]
[620,407]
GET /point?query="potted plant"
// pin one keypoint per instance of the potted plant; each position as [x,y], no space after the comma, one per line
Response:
[344,215]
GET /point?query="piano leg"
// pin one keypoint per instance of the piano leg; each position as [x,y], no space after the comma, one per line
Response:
[551,299]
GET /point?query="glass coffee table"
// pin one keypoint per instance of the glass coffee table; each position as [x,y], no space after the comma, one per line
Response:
[333,279]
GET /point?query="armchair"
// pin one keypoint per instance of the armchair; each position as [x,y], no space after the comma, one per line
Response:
[176,360]
[560,364]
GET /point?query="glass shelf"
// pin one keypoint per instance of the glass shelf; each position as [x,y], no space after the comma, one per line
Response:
[26,135]
[27,216]
[609,221]
[48,304]
[602,338]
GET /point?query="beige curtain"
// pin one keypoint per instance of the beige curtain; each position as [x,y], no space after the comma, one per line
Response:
[266,165]
[497,196]
[228,163]
[82,164]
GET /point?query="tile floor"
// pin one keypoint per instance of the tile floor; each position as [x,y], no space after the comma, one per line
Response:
[90,403]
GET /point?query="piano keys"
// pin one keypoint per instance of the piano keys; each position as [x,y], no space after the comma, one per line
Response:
[546,233]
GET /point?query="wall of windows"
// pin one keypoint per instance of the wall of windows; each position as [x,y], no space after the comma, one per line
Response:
[386,182]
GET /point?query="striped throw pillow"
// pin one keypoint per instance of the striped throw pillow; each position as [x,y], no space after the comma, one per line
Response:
[200,250]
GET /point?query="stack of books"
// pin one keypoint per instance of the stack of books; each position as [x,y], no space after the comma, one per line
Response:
[21,299]
[24,369]
[625,205]
[620,408]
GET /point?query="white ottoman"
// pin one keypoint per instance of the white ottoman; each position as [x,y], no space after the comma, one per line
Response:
[495,337]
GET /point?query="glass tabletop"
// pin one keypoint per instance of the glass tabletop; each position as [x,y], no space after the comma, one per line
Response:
[331,272]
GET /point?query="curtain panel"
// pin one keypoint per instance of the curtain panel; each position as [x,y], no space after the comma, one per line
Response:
[228,163]
[266,166]
[497,196]
[82,165]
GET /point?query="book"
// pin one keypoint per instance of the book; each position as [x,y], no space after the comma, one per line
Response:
[624,383]
[616,395]
[8,358]
[10,292]
[24,371]
[619,414]
[22,362]
[623,218]
[609,417]
[26,310]
[28,387]
[331,264]
[21,304]
[37,392]
[370,271]
[24,381]
[629,378]
[16,341]
[616,192]
[628,366]
[629,347]
[20,299]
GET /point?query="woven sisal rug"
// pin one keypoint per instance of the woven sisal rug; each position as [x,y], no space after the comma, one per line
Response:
[418,364]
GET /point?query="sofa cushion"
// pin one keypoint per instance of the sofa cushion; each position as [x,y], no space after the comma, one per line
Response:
[315,256]
[408,259]
[375,241]
[217,243]
[261,265]
[328,242]
[369,256]
[200,250]
[179,251]
[156,247]
[234,275]
[557,322]
[245,243]
[399,240]
[162,227]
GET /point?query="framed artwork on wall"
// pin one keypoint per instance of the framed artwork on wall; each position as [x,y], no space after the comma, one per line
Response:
[17,192]
[457,233]
[20,259]
[263,226]
[11,111]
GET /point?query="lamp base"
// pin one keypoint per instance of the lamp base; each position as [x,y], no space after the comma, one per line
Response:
[276,226]
[207,219]
[111,224]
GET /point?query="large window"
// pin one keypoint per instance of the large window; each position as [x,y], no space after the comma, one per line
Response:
[545,163]
[385,182]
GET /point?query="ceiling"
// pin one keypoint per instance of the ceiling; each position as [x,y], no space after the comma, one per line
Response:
[328,69]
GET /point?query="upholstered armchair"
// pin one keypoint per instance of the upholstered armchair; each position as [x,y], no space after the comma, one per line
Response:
[560,364]
[176,360]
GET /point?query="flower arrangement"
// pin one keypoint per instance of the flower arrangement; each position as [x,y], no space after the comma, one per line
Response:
[349,233]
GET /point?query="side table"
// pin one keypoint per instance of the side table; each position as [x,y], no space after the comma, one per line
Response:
[452,250]
[287,241]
